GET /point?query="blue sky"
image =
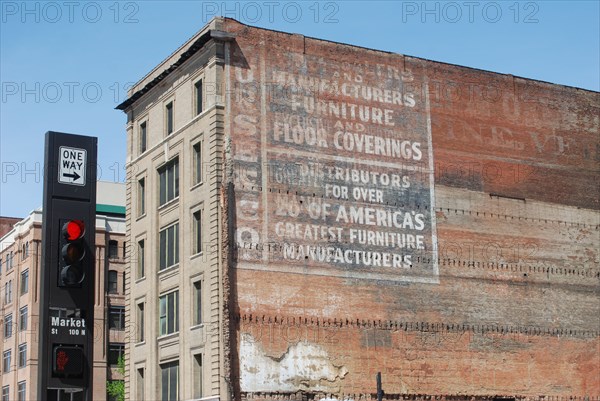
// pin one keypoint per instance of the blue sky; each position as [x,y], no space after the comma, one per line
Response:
[64,66]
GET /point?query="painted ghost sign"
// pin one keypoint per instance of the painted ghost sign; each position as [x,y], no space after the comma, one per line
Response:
[332,165]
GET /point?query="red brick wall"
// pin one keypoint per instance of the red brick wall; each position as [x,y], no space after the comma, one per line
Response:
[6,224]
[501,296]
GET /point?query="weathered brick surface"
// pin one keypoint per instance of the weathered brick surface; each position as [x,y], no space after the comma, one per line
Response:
[502,299]
[6,224]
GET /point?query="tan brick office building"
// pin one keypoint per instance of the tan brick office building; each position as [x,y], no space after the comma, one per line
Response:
[20,256]
[309,213]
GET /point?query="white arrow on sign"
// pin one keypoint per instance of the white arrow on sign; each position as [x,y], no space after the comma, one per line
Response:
[72,164]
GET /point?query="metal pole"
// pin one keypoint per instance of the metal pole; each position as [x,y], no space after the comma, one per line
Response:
[379,390]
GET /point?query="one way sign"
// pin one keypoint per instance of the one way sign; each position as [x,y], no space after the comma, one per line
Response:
[72,165]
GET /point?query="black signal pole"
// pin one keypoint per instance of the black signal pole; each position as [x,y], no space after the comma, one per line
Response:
[67,272]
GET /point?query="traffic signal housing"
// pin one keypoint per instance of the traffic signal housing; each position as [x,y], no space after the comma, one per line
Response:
[73,252]
[67,361]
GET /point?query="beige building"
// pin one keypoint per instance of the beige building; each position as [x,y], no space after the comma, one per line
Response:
[20,259]
[174,139]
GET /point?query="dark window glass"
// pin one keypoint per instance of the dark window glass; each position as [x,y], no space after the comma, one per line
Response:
[24,282]
[143,137]
[197,163]
[198,90]
[168,182]
[116,318]
[115,351]
[169,381]
[141,197]
[169,117]
[169,313]
[113,249]
[112,282]
[169,246]
[197,302]
[141,259]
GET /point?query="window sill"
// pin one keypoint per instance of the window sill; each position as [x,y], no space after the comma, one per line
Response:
[140,344]
[141,216]
[196,185]
[139,280]
[166,337]
[168,204]
[197,255]
[115,329]
[168,272]
[197,326]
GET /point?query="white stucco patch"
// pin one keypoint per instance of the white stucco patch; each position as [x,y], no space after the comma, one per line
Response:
[303,365]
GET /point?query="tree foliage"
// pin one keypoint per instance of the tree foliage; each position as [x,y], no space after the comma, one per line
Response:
[116,388]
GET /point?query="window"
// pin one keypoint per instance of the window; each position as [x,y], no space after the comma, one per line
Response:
[8,292]
[141,259]
[197,173]
[197,302]
[27,249]
[8,325]
[112,282]
[116,319]
[0,264]
[197,230]
[113,249]
[115,351]
[23,312]
[22,355]
[198,96]
[65,395]
[197,372]
[143,137]
[140,384]
[169,181]
[24,281]
[10,261]
[141,197]
[6,361]
[169,118]
[21,391]
[6,393]
[169,246]
[124,249]
[169,313]
[123,289]
[140,322]
[169,381]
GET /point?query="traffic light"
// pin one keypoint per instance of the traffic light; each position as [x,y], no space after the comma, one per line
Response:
[67,361]
[67,290]
[72,269]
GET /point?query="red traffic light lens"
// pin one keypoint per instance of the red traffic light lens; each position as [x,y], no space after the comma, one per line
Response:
[67,361]
[73,253]
[73,229]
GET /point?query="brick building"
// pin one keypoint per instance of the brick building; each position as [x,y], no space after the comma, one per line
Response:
[20,264]
[309,213]
[7,223]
